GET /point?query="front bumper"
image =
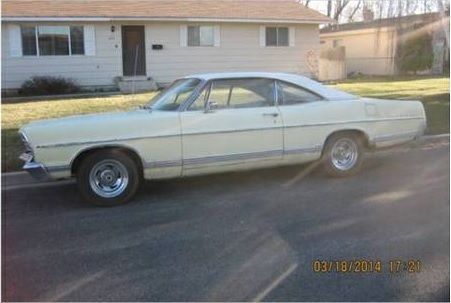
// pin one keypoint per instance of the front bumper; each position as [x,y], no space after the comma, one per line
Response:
[35,169]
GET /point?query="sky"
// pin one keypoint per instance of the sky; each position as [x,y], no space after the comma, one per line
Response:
[417,5]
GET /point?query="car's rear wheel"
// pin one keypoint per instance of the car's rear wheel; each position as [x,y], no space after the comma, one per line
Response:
[343,154]
[107,178]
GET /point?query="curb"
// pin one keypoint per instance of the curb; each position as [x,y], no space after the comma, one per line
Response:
[18,178]
[442,138]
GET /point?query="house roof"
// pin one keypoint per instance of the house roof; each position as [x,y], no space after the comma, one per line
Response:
[386,22]
[225,10]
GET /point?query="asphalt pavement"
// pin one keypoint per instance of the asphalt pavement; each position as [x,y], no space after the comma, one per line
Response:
[250,236]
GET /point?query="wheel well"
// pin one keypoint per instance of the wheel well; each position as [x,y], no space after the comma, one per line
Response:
[129,152]
[361,134]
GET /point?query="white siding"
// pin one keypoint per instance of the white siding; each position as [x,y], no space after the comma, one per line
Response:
[96,70]
[239,50]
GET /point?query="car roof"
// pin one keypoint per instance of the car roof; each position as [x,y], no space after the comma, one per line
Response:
[307,83]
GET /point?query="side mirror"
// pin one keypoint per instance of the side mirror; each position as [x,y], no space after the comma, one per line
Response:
[211,106]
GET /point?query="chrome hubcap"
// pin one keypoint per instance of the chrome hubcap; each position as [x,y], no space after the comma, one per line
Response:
[108,178]
[344,154]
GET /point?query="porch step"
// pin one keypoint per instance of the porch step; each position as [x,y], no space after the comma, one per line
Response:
[130,85]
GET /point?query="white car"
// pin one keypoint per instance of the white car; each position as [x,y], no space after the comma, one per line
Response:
[213,123]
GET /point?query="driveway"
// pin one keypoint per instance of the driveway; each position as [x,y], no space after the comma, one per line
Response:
[240,236]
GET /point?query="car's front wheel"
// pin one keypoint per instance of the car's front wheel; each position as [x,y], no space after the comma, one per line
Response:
[343,154]
[108,177]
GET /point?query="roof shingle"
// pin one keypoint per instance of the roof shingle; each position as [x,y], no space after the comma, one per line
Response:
[283,10]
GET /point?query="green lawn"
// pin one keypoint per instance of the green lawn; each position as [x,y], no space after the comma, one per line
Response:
[433,92]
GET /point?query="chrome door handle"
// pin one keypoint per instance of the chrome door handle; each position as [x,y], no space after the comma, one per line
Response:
[271,114]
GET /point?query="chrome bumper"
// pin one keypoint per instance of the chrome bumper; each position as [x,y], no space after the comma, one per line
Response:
[36,170]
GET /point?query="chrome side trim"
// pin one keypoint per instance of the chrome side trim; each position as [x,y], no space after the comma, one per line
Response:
[356,121]
[233,157]
[233,131]
[307,150]
[396,136]
[104,141]
[222,132]
[162,164]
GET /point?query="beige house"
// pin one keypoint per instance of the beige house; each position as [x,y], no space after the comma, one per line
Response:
[371,46]
[100,43]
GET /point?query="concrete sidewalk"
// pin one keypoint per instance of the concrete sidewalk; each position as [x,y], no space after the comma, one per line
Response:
[19,179]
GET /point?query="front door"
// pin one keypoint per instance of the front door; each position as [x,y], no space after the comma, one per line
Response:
[133,50]
[244,129]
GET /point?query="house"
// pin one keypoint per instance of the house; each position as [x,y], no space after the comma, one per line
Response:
[372,46]
[99,43]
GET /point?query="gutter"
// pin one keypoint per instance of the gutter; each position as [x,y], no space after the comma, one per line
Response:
[185,19]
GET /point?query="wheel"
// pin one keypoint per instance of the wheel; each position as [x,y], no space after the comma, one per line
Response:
[108,178]
[343,155]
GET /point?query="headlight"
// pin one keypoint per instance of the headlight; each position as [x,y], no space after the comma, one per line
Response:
[26,143]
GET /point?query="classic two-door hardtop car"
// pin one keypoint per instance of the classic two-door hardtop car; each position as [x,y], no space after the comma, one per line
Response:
[213,123]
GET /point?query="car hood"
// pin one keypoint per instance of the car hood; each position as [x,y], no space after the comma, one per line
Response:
[88,118]
[90,127]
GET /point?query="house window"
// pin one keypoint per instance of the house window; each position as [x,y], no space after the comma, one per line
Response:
[28,40]
[201,36]
[52,40]
[77,42]
[277,36]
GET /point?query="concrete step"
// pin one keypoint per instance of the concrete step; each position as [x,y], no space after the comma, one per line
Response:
[129,86]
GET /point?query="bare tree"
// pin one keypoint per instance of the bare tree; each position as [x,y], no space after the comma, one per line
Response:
[329,8]
[304,2]
[352,11]
[339,7]
[390,9]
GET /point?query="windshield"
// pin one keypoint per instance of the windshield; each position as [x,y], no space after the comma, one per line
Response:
[172,97]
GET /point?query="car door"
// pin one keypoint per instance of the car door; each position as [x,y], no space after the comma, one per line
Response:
[234,123]
[305,115]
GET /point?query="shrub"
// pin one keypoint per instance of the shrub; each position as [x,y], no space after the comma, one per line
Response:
[416,54]
[48,85]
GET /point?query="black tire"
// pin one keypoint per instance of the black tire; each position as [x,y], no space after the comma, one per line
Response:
[330,166]
[117,159]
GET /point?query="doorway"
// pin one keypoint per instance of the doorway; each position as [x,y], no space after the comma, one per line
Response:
[133,50]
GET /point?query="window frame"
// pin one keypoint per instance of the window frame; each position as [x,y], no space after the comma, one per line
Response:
[36,32]
[280,101]
[208,85]
[36,44]
[277,36]
[200,39]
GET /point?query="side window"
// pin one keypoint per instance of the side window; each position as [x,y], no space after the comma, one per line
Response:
[220,93]
[199,103]
[242,93]
[290,94]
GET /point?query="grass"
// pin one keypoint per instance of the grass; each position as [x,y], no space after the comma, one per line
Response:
[433,92]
